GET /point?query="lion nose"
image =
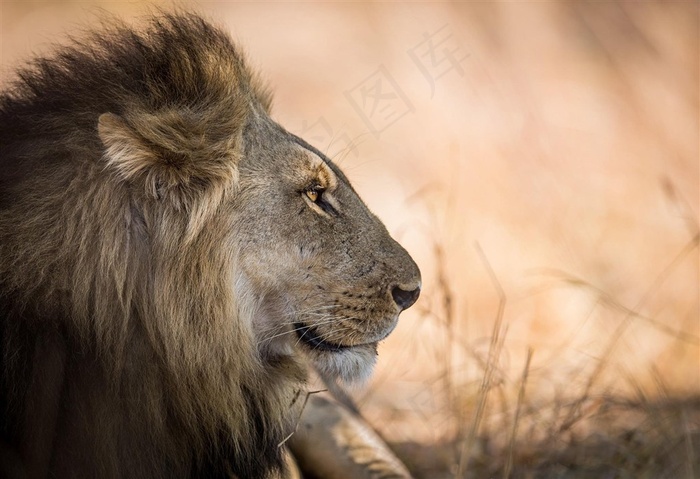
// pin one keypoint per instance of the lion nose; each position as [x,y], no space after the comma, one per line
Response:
[405,299]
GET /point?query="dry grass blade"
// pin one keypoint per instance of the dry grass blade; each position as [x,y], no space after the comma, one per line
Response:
[514,432]
[493,355]
[301,412]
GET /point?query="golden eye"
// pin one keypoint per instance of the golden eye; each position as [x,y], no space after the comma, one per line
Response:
[312,195]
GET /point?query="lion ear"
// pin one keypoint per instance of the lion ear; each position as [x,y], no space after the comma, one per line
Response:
[173,155]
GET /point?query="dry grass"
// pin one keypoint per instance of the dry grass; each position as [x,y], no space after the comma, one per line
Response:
[548,186]
[653,442]
[595,429]
[588,433]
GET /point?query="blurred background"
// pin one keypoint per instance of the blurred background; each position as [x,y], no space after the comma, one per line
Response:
[540,161]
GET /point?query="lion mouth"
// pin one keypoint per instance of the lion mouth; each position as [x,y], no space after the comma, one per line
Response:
[313,339]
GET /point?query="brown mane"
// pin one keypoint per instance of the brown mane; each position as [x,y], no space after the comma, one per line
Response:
[120,333]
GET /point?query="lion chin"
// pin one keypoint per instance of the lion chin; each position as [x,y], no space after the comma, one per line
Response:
[348,363]
[171,262]
[354,365]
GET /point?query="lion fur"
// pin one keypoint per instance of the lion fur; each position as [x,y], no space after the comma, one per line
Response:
[87,304]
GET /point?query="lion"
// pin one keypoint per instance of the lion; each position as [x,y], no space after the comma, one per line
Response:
[173,262]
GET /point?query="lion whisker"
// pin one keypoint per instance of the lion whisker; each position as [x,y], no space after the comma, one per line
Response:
[328,320]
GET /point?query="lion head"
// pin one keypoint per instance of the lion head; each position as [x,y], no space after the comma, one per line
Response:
[330,280]
[180,255]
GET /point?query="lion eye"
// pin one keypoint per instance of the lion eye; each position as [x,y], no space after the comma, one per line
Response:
[314,194]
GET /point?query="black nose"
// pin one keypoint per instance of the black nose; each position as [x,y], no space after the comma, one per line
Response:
[403,298]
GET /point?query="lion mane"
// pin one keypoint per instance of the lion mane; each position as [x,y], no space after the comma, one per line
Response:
[124,352]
